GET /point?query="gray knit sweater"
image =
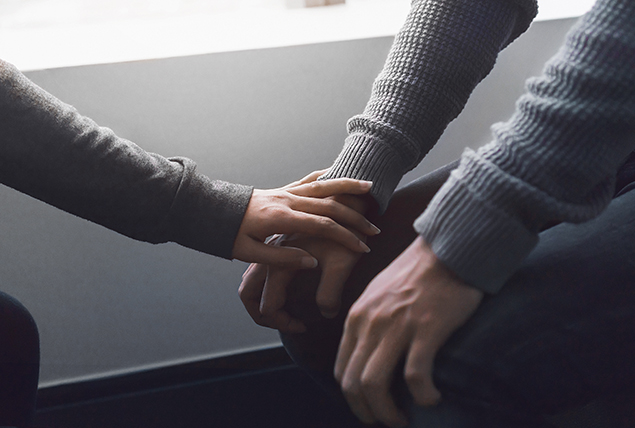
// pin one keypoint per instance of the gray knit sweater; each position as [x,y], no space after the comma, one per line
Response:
[555,159]
[51,152]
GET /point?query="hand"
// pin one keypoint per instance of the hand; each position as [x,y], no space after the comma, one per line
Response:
[410,309]
[302,207]
[263,289]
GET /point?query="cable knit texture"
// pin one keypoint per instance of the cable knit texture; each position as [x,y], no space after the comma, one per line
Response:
[51,152]
[555,159]
[445,48]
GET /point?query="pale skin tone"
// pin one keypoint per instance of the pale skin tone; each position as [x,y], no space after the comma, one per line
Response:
[301,207]
[409,310]
[264,287]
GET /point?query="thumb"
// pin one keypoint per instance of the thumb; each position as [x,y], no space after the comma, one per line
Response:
[418,374]
[253,251]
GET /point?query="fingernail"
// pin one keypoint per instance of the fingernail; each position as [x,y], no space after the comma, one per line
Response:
[309,262]
[375,229]
[364,247]
[366,184]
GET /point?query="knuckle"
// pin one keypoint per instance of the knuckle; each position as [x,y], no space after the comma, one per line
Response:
[258,319]
[244,295]
[326,224]
[341,264]
[414,377]
[369,382]
[350,388]
[331,207]
[267,311]
[355,317]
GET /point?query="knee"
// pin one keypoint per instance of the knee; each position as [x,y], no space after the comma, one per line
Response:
[19,362]
[18,332]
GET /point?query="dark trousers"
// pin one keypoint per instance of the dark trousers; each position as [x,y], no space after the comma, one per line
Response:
[19,363]
[560,334]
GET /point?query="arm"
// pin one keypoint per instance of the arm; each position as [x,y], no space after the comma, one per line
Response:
[555,159]
[445,48]
[51,152]
[54,154]
[443,51]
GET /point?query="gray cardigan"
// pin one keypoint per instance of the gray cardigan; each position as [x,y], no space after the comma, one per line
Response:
[51,152]
[555,159]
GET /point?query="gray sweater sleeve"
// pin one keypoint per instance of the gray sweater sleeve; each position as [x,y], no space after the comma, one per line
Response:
[555,159]
[445,48]
[51,152]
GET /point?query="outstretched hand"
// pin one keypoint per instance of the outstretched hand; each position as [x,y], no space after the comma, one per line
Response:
[410,309]
[301,207]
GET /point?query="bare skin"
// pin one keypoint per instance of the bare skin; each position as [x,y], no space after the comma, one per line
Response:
[303,207]
[263,289]
[410,309]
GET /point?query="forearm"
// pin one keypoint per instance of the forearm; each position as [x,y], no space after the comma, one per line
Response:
[443,51]
[51,152]
[555,160]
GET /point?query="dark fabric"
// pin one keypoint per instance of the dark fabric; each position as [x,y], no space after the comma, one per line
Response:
[560,333]
[19,363]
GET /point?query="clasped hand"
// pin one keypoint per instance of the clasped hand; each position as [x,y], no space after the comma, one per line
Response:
[301,207]
[263,290]
[409,310]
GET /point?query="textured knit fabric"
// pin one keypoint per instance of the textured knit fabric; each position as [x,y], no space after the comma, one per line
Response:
[445,48]
[555,159]
[51,152]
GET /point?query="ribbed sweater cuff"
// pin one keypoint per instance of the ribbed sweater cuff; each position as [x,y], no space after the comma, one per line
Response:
[365,157]
[480,243]
[206,214]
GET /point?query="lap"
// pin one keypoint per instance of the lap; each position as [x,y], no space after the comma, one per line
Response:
[561,332]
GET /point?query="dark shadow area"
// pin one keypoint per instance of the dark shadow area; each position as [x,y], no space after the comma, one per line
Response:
[258,389]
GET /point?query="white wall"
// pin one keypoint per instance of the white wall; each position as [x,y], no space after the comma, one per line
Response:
[265,117]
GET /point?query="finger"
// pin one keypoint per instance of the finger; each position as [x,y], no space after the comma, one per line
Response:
[324,227]
[307,179]
[250,291]
[418,373]
[249,269]
[253,251]
[337,186]
[377,378]
[345,349]
[282,321]
[274,295]
[336,211]
[349,364]
[329,292]
[351,382]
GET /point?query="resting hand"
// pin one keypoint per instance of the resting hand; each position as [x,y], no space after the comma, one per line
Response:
[302,207]
[410,309]
[263,289]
